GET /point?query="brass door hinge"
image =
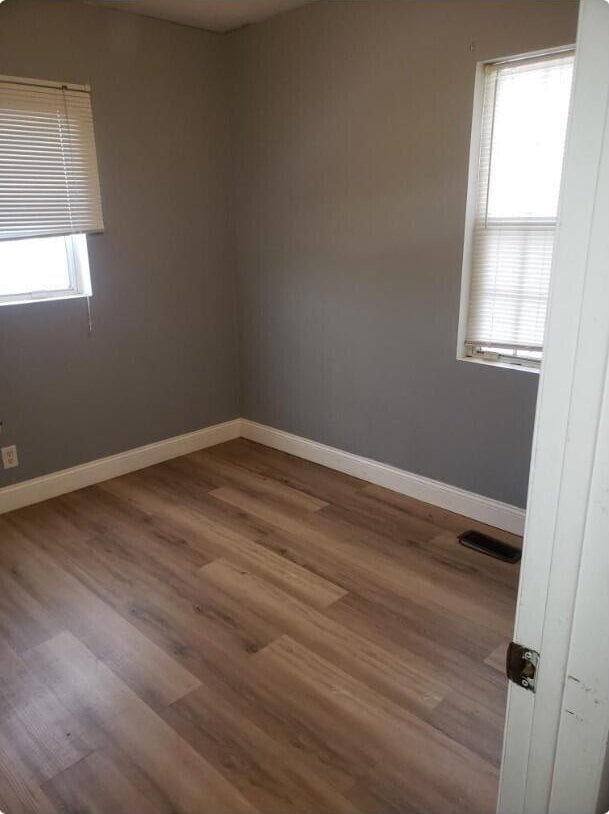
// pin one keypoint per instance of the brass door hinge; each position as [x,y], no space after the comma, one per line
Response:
[521,665]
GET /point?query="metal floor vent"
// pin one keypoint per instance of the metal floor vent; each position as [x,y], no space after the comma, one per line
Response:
[489,545]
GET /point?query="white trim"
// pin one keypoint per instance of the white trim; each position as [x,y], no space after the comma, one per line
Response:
[477,507]
[77,477]
[500,364]
[552,764]
[470,210]
[532,55]
[55,297]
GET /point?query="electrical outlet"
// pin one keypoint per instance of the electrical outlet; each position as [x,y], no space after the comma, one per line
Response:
[10,458]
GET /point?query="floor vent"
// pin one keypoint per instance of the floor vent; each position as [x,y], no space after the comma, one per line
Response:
[489,545]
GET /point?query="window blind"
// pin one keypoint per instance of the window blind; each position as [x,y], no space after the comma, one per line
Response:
[522,138]
[49,182]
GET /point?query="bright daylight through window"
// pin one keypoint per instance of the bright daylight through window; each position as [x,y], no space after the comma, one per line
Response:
[512,208]
[49,190]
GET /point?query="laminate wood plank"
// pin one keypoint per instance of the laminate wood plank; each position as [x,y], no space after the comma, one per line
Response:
[471,676]
[24,622]
[17,684]
[436,515]
[184,606]
[37,738]
[490,607]
[305,476]
[179,614]
[118,550]
[371,801]
[416,531]
[482,568]
[242,630]
[230,680]
[403,749]
[221,541]
[474,725]
[446,628]
[149,599]
[432,642]
[392,675]
[380,517]
[123,562]
[146,666]
[238,686]
[99,784]
[430,559]
[431,550]
[270,774]
[226,473]
[44,736]
[193,481]
[19,791]
[497,658]
[95,511]
[191,784]
[139,490]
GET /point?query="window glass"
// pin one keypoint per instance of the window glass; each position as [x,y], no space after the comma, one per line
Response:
[33,265]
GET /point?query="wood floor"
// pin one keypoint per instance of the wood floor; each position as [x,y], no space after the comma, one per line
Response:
[239,630]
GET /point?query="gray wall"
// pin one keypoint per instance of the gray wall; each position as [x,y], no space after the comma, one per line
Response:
[320,159]
[161,360]
[352,125]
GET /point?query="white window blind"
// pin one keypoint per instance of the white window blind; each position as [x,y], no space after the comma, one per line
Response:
[524,119]
[49,183]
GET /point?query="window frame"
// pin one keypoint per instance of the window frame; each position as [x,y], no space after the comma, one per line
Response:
[477,355]
[77,261]
[74,233]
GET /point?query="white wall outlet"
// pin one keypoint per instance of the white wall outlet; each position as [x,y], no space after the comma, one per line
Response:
[10,459]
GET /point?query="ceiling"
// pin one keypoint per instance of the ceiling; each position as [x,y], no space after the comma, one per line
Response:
[213,15]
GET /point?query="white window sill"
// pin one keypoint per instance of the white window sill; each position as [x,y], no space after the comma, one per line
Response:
[26,300]
[505,365]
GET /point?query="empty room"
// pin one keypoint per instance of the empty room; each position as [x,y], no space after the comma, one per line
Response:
[304,406]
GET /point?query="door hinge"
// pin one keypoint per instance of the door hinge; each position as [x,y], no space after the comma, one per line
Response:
[521,665]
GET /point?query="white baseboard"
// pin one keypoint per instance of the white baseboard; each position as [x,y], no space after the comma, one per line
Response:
[77,477]
[484,509]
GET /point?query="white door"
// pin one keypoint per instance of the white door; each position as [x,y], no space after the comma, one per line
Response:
[554,757]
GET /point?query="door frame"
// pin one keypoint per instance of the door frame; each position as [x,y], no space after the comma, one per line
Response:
[555,742]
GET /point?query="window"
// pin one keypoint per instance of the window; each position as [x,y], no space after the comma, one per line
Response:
[49,190]
[44,268]
[512,207]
